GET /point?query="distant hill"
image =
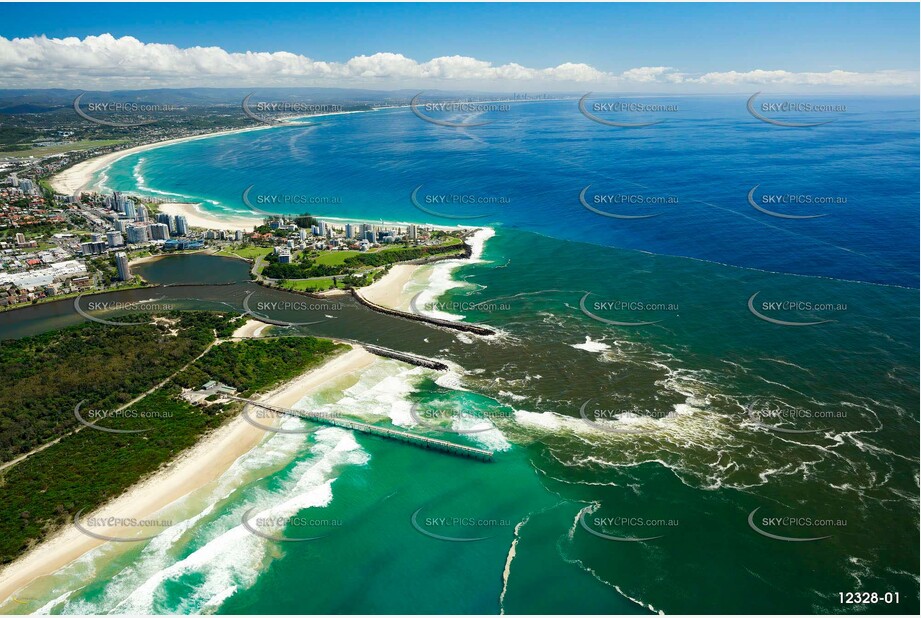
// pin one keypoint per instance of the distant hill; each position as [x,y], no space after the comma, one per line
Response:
[46,100]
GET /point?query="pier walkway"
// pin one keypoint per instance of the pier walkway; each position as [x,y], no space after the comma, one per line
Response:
[425,442]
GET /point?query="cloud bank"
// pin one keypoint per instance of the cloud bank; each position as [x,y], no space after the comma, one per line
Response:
[105,62]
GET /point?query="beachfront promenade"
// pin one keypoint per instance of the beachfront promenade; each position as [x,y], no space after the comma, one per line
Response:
[425,442]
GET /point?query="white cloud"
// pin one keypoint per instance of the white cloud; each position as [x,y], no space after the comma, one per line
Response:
[646,74]
[107,62]
[831,78]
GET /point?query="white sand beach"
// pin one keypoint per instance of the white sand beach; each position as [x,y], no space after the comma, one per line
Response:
[388,290]
[250,328]
[396,289]
[195,468]
[78,177]
[200,219]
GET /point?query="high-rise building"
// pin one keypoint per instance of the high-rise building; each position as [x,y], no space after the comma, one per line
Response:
[120,201]
[413,232]
[167,220]
[130,211]
[137,233]
[321,226]
[121,262]
[27,186]
[121,225]
[238,235]
[142,214]
[349,231]
[182,226]
[94,247]
[114,238]
[159,231]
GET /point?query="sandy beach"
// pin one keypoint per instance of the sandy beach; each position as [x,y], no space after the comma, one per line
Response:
[77,177]
[195,468]
[388,290]
[200,219]
[251,328]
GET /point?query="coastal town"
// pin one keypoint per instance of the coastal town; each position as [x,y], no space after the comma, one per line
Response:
[59,239]
[53,245]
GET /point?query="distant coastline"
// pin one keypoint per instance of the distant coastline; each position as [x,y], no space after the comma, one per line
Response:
[79,177]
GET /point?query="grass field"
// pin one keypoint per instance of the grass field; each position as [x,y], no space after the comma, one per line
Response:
[50,150]
[318,285]
[335,258]
[250,253]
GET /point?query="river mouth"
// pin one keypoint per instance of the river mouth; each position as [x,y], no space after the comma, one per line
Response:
[676,394]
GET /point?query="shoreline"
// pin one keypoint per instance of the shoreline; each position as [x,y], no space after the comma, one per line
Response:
[77,178]
[388,295]
[388,290]
[189,472]
[197,218]
[200,218]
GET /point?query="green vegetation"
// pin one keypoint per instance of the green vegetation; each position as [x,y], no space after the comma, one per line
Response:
[314,285]
[86,468]
[32,232]
[104,268]
[135,283]
[26,150]
[382,258]
[253,365]
[342,282]
[249,252]
[334,258]
[326,264]
[299,270]
[47,375]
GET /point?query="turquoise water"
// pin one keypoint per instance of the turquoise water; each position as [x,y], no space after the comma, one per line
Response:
[699,394]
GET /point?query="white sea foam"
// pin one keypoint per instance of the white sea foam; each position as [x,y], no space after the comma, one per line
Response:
[233,557]
[382,390]
[229,557]
[509,558]
[441,278]
[491,439]
[591,346]
[46,609]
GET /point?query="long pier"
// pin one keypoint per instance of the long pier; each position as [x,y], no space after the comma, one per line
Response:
[432,444]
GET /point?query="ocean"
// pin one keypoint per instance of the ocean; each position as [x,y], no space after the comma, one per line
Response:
[677,403]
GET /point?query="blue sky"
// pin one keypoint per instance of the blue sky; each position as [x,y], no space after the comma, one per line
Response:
[612,38]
